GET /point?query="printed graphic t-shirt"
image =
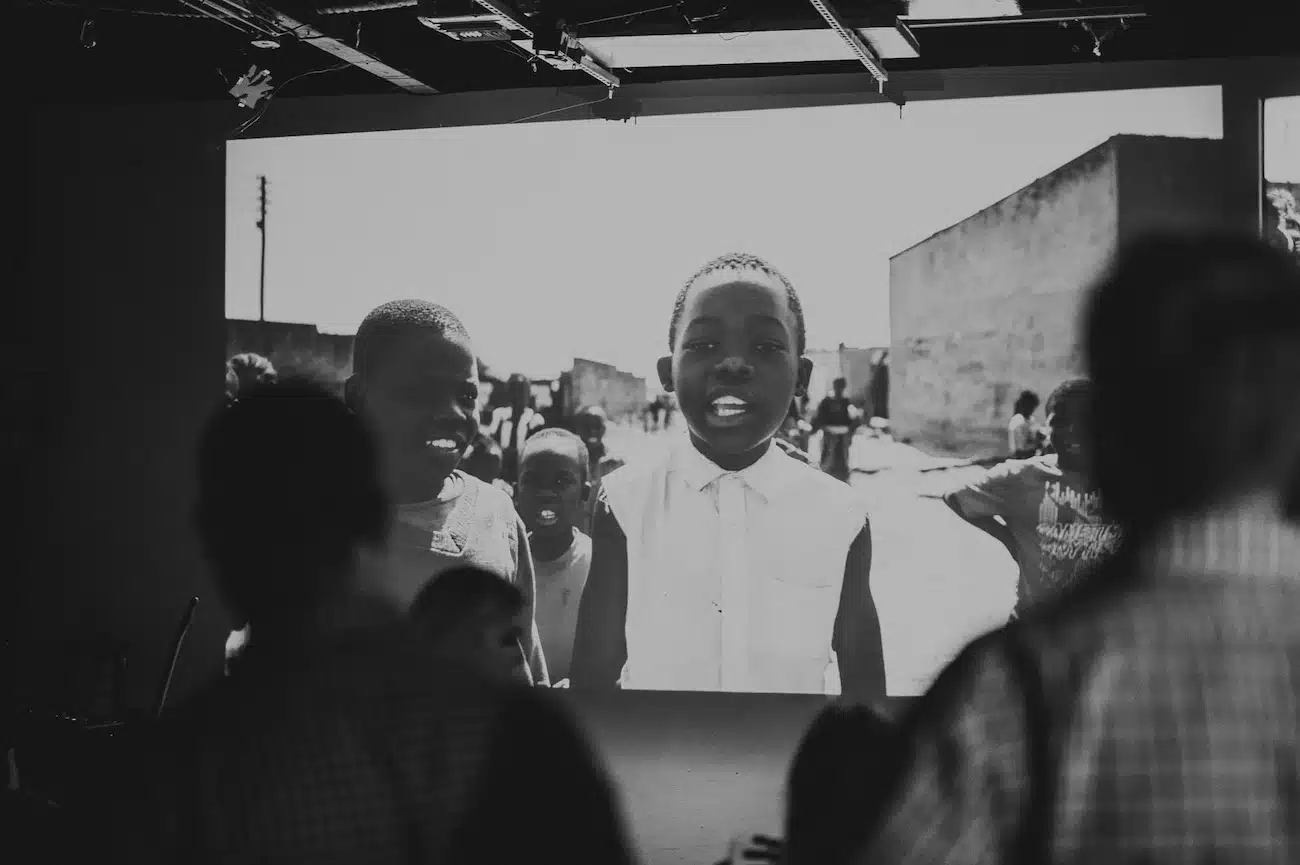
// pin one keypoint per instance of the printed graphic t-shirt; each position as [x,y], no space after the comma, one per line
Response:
[1054,516]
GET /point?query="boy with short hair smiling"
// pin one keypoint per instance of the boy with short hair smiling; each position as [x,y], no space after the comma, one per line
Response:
[552,498]
[726,565]
[416,380]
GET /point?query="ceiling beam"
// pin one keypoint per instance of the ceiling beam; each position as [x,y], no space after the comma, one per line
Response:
[268,21]
[868,57]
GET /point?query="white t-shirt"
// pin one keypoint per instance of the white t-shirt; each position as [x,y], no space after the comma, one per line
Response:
[559,591]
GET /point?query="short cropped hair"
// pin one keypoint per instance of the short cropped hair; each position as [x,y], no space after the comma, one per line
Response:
[554,434]
[1202,334]
[1074,392]
[458,595]
[391,323]
[295,450]
[739,261]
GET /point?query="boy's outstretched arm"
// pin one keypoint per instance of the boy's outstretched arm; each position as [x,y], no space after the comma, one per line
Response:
[526,580]
[857,641]
[600,644]
[984,522]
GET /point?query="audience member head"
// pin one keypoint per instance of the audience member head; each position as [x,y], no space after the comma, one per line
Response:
[1026,404]
[836,773]
[1199,336]
[554,483]
[416,379]
[590,424]
[839,386]
[309,467]
[474,618]
[737,341]
[1069,412]
[483,460]
[250,370]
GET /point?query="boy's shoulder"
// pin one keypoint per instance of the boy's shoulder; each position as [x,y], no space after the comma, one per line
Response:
[487,497]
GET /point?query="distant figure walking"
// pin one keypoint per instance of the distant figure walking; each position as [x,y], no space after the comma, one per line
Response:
[1022,437]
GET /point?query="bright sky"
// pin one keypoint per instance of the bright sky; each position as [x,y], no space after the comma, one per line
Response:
[1282,139]
[564,239]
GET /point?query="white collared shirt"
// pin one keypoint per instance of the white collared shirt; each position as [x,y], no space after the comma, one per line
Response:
[734,578]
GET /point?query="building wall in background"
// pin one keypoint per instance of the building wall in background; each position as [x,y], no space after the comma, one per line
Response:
[620,394]
[989,307]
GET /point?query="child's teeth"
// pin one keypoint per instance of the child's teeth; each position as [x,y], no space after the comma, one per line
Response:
[548,515]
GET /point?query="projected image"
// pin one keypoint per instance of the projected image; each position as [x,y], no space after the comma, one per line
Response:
[778,401]
[1282,173]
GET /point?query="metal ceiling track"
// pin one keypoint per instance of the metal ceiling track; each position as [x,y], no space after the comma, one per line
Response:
[1106,13]
[262,21]
[578,58]
[860,49]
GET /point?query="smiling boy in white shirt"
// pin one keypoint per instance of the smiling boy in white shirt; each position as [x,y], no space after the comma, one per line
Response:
[726,564]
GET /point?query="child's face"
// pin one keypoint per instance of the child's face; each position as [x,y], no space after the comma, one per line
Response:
[591,429]
[424,404]
[551,490]
[1067,428]
[736,365]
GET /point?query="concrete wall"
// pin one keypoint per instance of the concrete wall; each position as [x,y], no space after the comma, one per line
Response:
[619,393]
[990,306]
[856,365]
[986,308]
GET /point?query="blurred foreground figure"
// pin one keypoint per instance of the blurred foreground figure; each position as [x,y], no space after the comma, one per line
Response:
[342,737]
[1151,714]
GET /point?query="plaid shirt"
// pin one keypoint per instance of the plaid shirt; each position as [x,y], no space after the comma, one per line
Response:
[361,748]
[1172,718]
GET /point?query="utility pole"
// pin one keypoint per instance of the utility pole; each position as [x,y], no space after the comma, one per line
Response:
[261,226]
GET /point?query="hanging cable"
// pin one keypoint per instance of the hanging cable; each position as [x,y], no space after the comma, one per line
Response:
[110,10]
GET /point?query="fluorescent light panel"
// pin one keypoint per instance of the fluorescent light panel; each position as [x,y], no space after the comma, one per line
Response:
[724,49]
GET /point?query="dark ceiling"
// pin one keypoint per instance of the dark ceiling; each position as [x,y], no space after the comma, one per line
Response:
[161,50]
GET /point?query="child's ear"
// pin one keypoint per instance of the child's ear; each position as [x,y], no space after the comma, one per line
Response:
[804,376]
[665,369]
[353,393]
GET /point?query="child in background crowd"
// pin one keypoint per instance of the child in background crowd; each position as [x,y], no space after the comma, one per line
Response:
[1046,510]
[552,499]
[836,423]
[483,461]
[475,618]
[590,425]
[416,380]
[1022,437]
[512,425]
[725,564]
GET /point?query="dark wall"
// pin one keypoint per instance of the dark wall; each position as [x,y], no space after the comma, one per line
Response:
[122,284]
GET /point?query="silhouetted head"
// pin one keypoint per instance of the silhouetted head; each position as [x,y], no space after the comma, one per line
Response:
[415,377]
[1198,335]
[475,618]
[306,469]
[836,773]
[839,386]
[737,341]
[590,423]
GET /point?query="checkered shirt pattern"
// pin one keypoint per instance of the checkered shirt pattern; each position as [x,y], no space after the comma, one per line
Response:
[362,749]
[1172,718]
